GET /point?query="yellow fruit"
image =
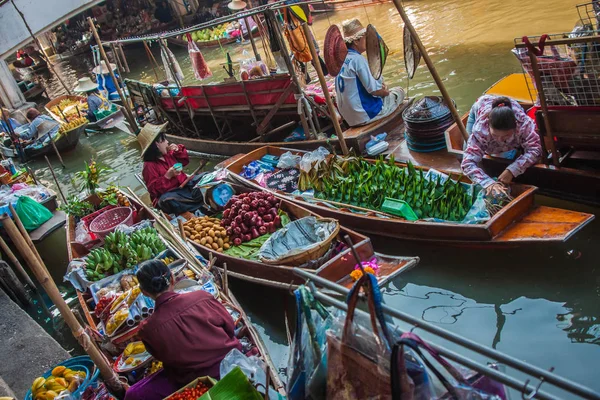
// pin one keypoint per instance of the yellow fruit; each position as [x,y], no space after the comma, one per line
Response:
[73,386]
[41,395]
[50,395]
[61,382]
[58,371]
[37,383]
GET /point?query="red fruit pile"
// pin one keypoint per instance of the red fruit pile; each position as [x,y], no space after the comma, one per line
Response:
[103,303]
[191,393]
[250,215]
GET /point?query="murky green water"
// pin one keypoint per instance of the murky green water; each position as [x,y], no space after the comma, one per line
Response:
[539,303]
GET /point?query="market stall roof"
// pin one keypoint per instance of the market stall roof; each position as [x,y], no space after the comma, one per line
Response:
[217,21]
[41,17]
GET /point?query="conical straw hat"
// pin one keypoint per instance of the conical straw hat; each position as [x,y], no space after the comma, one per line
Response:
[335,50]
[237,5]
[352,30]
[85,85]
[377,52]
[147,135]
[103,69]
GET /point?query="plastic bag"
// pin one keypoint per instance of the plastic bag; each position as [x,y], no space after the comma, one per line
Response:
[253,367]
[478,213]
[32,213]
[288,160]
[199,65]
[252,69]
[307,366]
[310,158]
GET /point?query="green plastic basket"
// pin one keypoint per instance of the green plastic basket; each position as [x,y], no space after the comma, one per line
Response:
[399,208]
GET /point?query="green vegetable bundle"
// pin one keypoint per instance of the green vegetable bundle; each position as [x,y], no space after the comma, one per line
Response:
[367,185]
[122,251]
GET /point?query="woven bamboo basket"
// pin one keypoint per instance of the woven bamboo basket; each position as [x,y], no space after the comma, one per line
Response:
[310,254]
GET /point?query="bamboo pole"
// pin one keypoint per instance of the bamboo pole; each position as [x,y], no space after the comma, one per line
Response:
[57,152]
[39,45]
[116,57]
[128,113]
[55,180]
[41,273]
[330,106]
[17,264]
[125,63]
[25,234]
[254,49]
[544,105]
[432,70]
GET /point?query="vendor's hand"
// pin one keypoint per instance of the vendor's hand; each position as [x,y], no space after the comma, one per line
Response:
[506,177]
[496,190]
[172,173]
[173,147]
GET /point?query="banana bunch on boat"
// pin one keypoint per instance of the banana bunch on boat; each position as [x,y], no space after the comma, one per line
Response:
[76,123]
[146,243]
[101,263]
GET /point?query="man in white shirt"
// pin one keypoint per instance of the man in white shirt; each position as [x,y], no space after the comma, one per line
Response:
[362,99]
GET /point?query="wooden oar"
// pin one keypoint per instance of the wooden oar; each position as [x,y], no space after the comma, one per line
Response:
[196,171]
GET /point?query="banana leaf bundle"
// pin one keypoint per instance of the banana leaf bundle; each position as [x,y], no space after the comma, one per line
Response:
[366,184]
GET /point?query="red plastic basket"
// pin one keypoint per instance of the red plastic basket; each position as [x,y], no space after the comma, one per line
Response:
[106,222]
[87,220]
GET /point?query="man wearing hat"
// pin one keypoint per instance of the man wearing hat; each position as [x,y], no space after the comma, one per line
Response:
[95,101]
[162,172]
[104,80]
[361,98]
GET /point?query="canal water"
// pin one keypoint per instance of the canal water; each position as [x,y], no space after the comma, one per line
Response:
[540,303]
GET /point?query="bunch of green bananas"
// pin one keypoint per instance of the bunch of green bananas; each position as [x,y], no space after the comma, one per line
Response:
[113,240]
[127,251]
[147,237]
[100,263]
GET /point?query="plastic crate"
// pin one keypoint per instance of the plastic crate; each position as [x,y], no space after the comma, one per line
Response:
[399,208]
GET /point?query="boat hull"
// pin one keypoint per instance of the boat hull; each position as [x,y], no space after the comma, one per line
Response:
[333,5]
[108,122]
[518,223]
[65,143]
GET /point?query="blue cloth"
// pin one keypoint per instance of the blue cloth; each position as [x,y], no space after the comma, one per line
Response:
[94,104]
[32,132]
[105,83]
[13,123]
[353,86]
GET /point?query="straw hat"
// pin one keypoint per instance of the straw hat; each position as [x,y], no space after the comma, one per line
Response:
[335,50]
[85,85]
[377,51]
[237,5]
[102,69]
[353,30]
[147,135]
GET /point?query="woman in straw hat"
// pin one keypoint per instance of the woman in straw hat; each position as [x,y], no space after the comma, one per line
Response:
[361,98]
[163,175]
[95,101]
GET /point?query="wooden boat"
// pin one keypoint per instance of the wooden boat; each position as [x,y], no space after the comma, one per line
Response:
[337,269]
[86,301]
[518,223]
[209,43]
[237,105]
[105,123]
[65,143]
[578,177]
[338,5]
[37,90]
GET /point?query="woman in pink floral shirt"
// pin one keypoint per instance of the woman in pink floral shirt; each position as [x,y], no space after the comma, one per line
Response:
[500,125]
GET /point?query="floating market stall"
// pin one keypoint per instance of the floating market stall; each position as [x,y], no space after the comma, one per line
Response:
[559,76]
[69,107]
[423,204]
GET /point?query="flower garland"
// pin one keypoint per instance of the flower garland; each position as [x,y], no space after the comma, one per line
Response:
[370,267]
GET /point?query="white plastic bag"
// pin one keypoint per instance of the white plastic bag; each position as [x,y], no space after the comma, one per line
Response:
[288,160]
[253,367]
[310,158]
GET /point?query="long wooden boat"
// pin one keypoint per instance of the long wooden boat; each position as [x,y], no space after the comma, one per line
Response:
[518,223]
[105,123]
[339,5]
[65,143]
[86,301]
[337,269]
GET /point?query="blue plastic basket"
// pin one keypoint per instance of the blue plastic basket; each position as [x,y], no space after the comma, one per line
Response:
[81,363]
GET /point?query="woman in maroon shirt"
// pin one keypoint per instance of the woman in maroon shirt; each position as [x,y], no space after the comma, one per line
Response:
[160,175]
[190,333]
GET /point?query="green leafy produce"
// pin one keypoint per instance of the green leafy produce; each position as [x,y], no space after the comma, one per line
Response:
[77,208]
[358,182]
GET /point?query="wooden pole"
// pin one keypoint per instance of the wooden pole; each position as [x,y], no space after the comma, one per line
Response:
[116,57]
[39,45]
[434,73]
[256,54]
[41,273]
[151,58]
[544,105]
[24,233]
[64,199]
[12,285]
[181,229]
[30,172]
[128,113]
[196,171]
[57,152]
[330,106]
[125,63]
[17,264]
